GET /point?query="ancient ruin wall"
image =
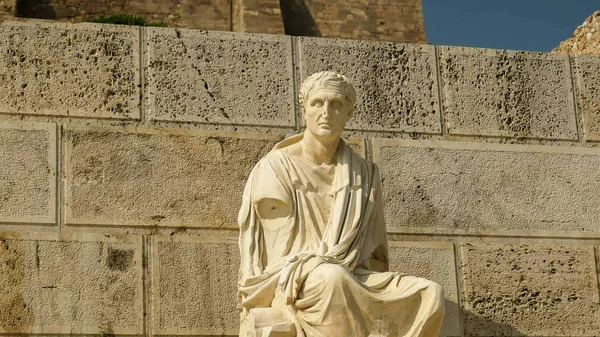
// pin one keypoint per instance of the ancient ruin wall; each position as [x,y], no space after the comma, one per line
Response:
[370,20]
[207,14]
[400,21]
[124,150]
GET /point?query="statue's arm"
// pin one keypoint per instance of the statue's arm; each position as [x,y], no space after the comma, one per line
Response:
[376,240]
[271,199]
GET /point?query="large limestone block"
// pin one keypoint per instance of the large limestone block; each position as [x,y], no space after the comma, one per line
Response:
[85,70]
[194,286]
[586,70]
[455,187]
[396,84]
[130,177]
[433,261]
[529,290]
[218,77]
[507,93]
[89,284]
[27,173]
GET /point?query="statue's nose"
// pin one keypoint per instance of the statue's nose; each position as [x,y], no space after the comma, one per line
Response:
[327,107]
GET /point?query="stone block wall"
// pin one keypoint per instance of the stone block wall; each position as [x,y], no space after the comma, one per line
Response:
[124,151]
[400,20]
[206,14]
[369,20]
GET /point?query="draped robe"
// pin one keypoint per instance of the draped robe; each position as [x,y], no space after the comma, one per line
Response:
[326,269]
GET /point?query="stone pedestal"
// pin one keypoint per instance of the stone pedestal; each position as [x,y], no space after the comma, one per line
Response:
[267,322]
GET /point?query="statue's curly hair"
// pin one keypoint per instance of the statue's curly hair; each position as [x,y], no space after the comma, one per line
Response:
[326,79]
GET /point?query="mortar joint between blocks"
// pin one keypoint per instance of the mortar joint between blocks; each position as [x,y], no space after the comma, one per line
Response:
[295,81]
[459,288]
[142,88]
[579,118]
[59,179]
[436,56]
[146,283]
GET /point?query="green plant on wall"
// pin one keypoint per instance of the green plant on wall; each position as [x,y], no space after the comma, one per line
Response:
[125,19]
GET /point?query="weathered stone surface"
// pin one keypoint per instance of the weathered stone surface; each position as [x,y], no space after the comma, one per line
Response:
[455,187]
[507,93]
[158,178]
[27,172]
[400,21]
[195,286]
[433,261]
[257,16]
[586,70]
[527,290]
[206,14]
[357,145]
[85,284]
[83,70]
[218,77]
[396,84]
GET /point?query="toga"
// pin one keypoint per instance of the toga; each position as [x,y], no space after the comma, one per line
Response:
[323,259]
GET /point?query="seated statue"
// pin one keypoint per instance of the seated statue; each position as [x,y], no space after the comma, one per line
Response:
[313,239]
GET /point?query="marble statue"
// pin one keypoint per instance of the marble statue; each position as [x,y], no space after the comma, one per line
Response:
[313,241]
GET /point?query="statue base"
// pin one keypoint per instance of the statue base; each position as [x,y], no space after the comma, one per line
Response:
[267,322]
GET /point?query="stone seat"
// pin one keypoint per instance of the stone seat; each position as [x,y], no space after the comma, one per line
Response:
[268,322]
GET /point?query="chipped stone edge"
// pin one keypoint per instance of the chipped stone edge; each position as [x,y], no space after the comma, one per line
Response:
[150,87]
[155,278]
[52,130]
[69,220]
[423,49]
[488,52]
[84,237]
[89,26]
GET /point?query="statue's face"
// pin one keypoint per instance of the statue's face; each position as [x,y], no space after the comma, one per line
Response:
[326,112]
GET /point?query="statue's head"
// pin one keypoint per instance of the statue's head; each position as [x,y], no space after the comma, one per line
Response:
[327,103]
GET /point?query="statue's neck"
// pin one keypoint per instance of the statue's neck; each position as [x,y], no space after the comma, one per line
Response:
[319,150]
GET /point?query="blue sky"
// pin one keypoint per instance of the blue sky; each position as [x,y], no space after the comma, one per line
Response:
[536,25]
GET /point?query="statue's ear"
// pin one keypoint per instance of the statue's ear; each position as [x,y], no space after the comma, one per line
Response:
[350,112]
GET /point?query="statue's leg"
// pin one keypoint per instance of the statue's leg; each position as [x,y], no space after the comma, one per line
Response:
[408,306]
[330,302]
[334,303]
[431,311]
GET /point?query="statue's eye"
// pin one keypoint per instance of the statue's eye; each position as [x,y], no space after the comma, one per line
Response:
[317,103]
[336,105]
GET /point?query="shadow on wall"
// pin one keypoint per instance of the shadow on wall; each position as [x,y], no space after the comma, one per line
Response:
[479,326]
[36,9]
[297,19]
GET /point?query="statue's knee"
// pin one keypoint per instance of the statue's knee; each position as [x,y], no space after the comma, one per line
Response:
[436,292]
[330,274]
[437,289]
